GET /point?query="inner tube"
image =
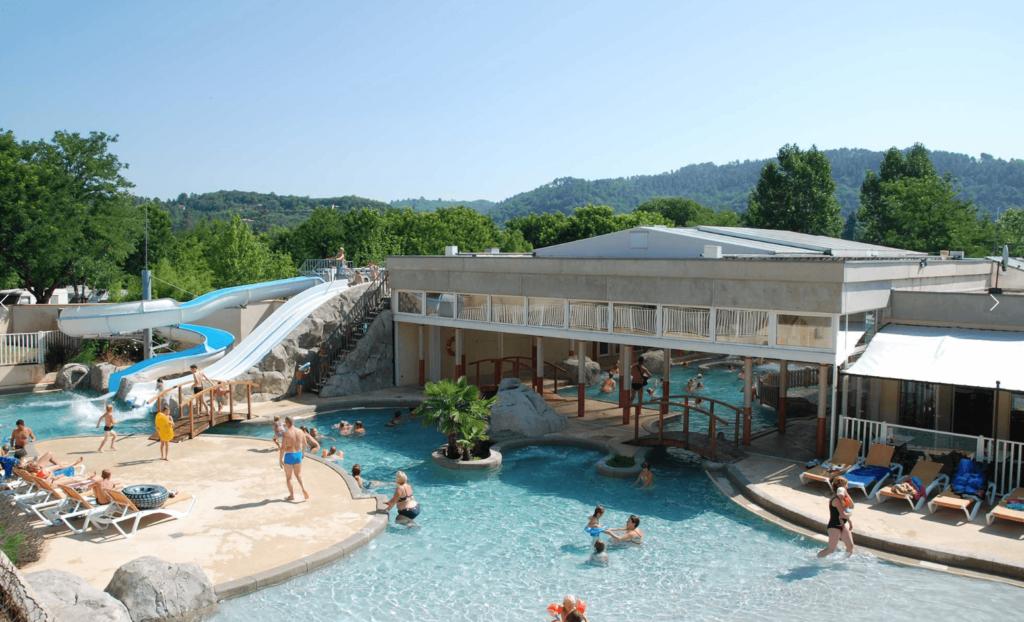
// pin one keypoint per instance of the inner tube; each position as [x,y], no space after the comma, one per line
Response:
[146,496]
[595,531]
[164,428]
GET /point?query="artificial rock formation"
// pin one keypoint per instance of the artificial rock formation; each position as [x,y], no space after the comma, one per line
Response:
[370,366]
[73,376]
[154,589]
[99,376]
[521,411]
[69,598]
[591,376]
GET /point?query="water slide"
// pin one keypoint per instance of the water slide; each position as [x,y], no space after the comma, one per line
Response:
[169,317]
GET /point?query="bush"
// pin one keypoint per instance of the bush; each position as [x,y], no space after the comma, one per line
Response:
[18,540]
[60,354]
[87,355]
[621,462]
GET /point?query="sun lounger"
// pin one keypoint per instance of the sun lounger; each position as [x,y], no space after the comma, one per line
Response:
[46,496]
[17,484]
[122,510]
[877,468]
[955,497]
[927,472]
[1005,513]
[844,459]
[73,506]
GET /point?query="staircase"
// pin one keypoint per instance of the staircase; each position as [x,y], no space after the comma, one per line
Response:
[346,337]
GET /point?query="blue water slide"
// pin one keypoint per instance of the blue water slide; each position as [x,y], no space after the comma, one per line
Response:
[213,343]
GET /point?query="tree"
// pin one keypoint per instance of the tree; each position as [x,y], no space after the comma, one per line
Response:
[1010,228]
[239,257]
[456,410]
[909,205]
[796,194]
[683,212]
[586,222]
[319,236]
[161,238]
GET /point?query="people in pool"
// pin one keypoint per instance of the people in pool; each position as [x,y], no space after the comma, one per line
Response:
[839,527]
[396,420]
[572,608]
[690,384]
[594,526]
[652,389]
[359,430]
[333,454]
[700,385]
[408,508]
[344,428]
[631,533]
[609,384]
[599,557]
[107,419]
[293,447]
[645,478]
[319,437]
[357,475]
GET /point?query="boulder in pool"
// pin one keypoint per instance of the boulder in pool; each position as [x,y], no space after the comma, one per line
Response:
[69,598]
[591,375]
[73,376]
[522,411]
[127,384]
[154,589]
[654,361]
[99,376]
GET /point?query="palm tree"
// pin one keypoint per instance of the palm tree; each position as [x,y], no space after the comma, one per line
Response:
[456,410]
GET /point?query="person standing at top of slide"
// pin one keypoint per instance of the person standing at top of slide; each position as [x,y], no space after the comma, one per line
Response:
[293,448]
[340,258]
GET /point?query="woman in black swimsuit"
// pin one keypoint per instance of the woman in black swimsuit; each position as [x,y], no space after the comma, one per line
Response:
[838,525]
[408,508]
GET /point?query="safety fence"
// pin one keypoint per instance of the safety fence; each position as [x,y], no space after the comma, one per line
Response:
[768,384]
[588,316]
[30,348]
[687,322]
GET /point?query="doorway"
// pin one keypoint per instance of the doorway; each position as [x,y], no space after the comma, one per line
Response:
[972,412]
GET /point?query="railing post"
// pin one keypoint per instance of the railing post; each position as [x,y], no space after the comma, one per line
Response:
[191,419]
[41,347]
[181,404]
[711,429]
[661,421]
[979,453]
[248,401]
[231,403]
[686,421]
[639,405]
[884,431]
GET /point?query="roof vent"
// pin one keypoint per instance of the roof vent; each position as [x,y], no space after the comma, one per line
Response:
[712,252]
[451,251]
[956,254]
[494,250]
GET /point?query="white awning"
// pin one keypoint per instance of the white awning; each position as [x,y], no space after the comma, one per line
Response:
[968,358]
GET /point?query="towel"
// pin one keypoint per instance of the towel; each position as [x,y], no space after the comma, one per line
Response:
[969,480]
[8,463]
[867,475]
[1016,506]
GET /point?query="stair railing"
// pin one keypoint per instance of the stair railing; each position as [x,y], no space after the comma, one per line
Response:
[374,300]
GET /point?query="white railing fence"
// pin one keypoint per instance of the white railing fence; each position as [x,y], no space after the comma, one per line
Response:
[588,316]
[507,314]
[687,322]
[30,348]
[636,319]
[476,314]
[547,315]
[741,323]
[1006,456]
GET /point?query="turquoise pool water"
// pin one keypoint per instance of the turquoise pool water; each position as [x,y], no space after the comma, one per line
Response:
[719,384]
[502,545]
[67,413]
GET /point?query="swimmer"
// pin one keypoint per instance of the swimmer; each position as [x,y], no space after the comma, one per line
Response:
[700,377]
[570,606]
[700,385]
[396,420]
[344,428]
[631,532]
[599,557]
[356,474]
[107,419]
[333,454]
[318,437]
[690,385]
[359,430]
[609,384]
[408,508]
[730,368]
[651,390]
[646,477]
[594,526]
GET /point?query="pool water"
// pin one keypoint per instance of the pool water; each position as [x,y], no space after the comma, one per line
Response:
[719,384]
[502,545]
[68,413]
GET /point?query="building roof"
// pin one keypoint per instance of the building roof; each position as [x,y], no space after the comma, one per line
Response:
[656,242]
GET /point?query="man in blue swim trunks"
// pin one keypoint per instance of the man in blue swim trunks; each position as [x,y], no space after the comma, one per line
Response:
[293,446]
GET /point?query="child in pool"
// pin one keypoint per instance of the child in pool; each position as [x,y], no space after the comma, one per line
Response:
[599,557]
[594,528]
[344,428]
[646,477]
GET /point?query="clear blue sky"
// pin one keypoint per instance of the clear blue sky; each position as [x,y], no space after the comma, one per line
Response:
[471,100]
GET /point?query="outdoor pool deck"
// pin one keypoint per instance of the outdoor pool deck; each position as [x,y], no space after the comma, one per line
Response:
[241,529]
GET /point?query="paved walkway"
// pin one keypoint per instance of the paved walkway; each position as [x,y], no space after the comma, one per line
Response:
[240,525]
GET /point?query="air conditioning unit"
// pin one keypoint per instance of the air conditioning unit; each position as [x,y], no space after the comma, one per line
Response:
[956,254]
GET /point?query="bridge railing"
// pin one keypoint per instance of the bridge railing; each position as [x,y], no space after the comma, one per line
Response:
[202,403]
[695,403]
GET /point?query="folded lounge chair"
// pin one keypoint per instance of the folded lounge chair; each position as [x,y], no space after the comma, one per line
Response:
[877,468]
[844,459]
[926,472]
[1006,513]
[121,509]
[966,492]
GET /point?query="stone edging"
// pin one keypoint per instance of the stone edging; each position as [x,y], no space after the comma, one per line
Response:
[378,523]
[599,466]
[896,546]
[492,461]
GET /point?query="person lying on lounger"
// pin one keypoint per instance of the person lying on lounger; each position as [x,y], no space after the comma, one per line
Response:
[106,483]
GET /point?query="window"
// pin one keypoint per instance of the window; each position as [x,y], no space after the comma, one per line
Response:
[741,326]
[636,319]
[473,307]
[547,312]
[410,302]
[507,309]
[440,305]
[686,322]
[588,315]
[917,404]
[866,323]
[805,331]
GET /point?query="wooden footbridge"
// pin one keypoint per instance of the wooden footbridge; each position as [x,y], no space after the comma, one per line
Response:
[714,445]
[205,409]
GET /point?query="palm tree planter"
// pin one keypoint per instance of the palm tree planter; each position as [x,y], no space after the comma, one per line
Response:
[456,410]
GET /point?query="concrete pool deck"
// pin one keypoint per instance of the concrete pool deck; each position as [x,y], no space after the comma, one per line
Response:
[242,531]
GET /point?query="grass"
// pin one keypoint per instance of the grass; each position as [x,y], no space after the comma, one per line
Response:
[621,462]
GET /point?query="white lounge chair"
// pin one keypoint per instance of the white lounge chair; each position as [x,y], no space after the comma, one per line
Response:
[843,459]
[121,510]
[879,456]
[73,506]
[1005,513]
[970,504]
[927,472]
[45,496]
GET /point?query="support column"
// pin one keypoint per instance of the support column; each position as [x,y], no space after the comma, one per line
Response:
[823,371]
[434,347]
[147,294]
[666,378]
[748,396]
[593,350]
[501,363]
[423,358]
[846,397]
[623,383]
[581,379]
[533,357]
[460,359]
[783,390]
[860,397]
[539,362]
[627,378]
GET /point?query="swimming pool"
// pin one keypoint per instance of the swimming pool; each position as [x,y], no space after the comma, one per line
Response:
[719,384]
[68,413]
[502,545]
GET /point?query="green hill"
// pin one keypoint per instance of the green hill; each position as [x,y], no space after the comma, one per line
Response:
[429,205]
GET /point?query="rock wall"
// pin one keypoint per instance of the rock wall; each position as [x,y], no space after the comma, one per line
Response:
[153,589]
[69,598]
[521,411]
[592,374]
[371,366]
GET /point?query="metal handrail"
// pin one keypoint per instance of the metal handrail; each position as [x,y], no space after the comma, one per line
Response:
[373,299]
[326,269]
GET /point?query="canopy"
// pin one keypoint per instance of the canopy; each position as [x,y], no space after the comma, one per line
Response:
[968,358]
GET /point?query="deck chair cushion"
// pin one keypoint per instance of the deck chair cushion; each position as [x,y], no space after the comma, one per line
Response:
[969,479]
[867,475]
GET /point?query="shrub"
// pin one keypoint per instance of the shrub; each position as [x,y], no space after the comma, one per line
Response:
[621,462]
[87,355]
[18,540]
[60,354]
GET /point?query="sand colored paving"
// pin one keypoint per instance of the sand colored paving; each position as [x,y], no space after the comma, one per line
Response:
[240,524]
[945,531]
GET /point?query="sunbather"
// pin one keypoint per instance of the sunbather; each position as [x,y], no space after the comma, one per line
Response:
[101,487]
